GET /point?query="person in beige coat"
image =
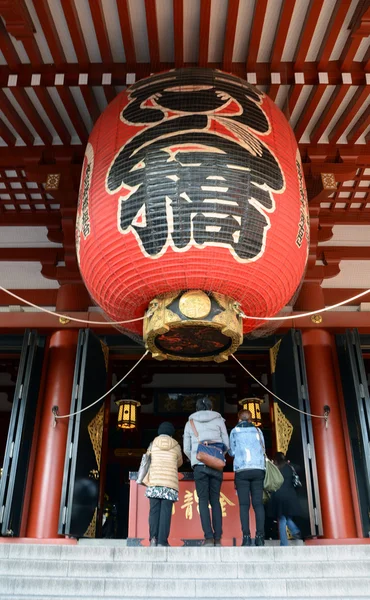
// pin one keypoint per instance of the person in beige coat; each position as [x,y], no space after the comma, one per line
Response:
[162,483]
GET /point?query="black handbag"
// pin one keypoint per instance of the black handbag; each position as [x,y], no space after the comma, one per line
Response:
[295,477]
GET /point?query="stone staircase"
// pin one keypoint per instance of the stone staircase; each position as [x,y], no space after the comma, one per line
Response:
[57,572]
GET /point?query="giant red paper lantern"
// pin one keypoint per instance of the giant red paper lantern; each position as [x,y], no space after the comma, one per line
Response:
[192,180]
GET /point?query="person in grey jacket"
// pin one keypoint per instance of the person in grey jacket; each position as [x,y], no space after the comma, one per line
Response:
[247,446]
[210,427]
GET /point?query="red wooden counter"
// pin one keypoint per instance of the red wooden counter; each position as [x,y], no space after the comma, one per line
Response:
[186,529]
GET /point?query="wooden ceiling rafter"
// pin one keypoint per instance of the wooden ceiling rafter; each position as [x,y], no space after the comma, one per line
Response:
[255,35]
[79,44]
[75,31]
[20,95]
[231,22]
[14,119]
[32,115]
[56,49]
[127,35]
[178,31]
[153,38]
[355,104]
[204,27]
[101,31]
[312,102]
[329,112]
[359,127]
[332,32]
[307,32]
[8,137]
[50,32]
[282,29]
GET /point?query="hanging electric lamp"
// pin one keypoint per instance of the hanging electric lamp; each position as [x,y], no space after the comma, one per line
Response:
[254,407]
[127,413]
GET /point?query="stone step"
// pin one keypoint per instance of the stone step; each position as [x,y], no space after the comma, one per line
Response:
[185,554]
[202,588]
[183,570]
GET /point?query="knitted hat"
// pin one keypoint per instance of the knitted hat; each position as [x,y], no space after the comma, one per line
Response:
[166,428]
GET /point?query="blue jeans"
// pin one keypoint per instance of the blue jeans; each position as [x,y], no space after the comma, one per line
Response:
[283,522]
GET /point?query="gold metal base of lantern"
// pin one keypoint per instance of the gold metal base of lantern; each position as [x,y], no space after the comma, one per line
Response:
[193,326]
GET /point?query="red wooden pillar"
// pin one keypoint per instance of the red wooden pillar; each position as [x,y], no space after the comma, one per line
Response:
[49,463]
[338,514]
[51,442]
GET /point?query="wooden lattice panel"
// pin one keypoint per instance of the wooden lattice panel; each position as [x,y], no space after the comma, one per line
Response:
[18,194]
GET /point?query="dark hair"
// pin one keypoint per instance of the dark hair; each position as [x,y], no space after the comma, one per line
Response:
[203,404]
[244,415]
[279,459]
[166,428]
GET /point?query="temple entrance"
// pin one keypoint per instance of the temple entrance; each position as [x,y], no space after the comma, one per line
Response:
[168,391]
[20,377]
[354,361]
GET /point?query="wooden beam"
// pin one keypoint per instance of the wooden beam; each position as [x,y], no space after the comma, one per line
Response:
[44,297]
[43,255]
[359,127]
[32,114]
[75,30]
[308,30]
[345,217]
[100,26]
[255,35]
[353,107]
[118,71]
[30,219]
[153,39]
[127,36]
[73,112]
[7,135]
[329,111]
[332,32]
[285,17]
[54,116]
[231,21]
[178,30]
[205,19]
[7,48]
[332,253]
[334,295]
[13,118]
[50,31]
[318,154]
[309,109]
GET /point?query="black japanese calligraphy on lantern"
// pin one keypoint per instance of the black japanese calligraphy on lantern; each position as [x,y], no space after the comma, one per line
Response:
[197,174]
[83,212]
[304,219]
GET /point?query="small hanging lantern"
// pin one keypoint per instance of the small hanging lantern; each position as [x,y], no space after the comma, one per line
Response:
[254,407]
[127,413]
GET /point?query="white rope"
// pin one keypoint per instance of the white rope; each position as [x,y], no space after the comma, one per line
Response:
[275,396]
[244,316]
[55,314]
[307,314]
[104,395]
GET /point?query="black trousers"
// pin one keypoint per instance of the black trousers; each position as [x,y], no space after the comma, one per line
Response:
[160,519]
[250,483]
[208,485]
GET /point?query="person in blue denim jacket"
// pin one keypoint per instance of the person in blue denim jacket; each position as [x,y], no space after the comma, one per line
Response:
[247,446]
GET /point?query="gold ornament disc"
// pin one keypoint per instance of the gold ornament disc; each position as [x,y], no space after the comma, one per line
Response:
[195,304]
